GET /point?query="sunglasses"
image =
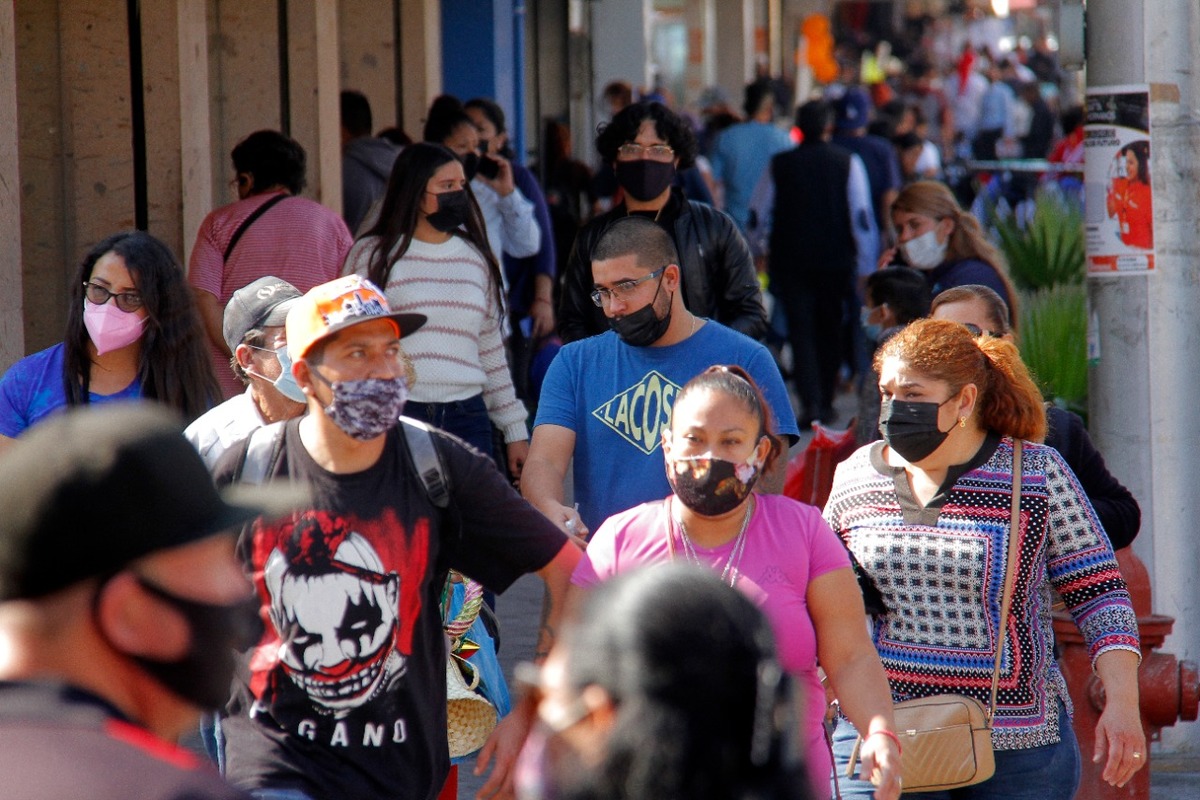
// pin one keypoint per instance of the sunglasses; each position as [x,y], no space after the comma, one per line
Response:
[99,295]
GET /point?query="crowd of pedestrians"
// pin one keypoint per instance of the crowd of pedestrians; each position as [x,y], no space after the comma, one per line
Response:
[533,326]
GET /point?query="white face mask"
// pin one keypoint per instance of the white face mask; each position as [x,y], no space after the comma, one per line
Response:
[925,251]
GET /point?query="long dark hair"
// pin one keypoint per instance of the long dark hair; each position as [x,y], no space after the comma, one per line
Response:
[174,367]
[733,381]
[703,709]
[401,209]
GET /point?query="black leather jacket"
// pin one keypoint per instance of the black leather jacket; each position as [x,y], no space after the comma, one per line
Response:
[719,281]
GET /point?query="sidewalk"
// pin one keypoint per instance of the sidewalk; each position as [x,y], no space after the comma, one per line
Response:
[1174,777]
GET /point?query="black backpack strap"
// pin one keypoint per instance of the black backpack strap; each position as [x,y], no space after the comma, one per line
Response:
[427,460]
[263,449]
[248,221]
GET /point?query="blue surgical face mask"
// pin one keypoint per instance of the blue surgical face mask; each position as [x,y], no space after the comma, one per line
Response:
[872,330]
[285,383]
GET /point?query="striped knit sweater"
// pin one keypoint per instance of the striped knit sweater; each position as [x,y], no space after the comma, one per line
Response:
[941,568]
[458,353]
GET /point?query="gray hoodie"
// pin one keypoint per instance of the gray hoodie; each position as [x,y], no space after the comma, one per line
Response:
[366,165]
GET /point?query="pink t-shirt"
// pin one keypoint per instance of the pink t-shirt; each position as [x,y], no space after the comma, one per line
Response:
[787,545]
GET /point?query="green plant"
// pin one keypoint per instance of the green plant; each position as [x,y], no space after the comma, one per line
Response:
[1046,248]
[1053,343]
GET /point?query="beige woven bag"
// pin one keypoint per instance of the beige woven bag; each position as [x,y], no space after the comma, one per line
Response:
[470,717]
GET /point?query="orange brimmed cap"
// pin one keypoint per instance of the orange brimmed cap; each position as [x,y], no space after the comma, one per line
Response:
[326,309]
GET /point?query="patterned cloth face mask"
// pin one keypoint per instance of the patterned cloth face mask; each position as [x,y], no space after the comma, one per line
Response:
[365,409]
[712,486]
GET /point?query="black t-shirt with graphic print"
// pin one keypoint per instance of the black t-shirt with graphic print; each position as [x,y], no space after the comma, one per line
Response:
[345,696]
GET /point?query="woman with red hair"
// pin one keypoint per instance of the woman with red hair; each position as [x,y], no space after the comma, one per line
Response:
[926,512]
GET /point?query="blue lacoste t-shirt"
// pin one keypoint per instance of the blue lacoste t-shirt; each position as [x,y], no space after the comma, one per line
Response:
[32,389]
[617,399]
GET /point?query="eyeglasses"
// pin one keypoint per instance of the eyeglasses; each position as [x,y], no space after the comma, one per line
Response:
[978,331]
[631,151]
[99,295]
[622,290]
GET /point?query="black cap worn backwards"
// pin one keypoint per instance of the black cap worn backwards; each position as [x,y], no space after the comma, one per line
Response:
[91,490]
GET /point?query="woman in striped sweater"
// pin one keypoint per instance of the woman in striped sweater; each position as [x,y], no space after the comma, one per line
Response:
[430,253]
[926,513]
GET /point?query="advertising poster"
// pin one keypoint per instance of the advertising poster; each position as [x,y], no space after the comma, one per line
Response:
[1120,199]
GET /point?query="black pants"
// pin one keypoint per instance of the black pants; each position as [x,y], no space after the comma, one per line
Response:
[815,331]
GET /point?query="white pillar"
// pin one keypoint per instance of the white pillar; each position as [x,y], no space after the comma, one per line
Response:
[620,49]
[1144,392]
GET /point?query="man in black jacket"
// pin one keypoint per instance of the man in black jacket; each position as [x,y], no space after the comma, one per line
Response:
[820,215]
[646,143]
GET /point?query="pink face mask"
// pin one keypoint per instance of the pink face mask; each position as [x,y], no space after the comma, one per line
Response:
[111,328]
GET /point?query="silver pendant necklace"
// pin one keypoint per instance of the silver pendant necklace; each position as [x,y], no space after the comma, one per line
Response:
[733,561]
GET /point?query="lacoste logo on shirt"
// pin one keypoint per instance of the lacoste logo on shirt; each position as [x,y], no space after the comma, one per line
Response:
[640,413]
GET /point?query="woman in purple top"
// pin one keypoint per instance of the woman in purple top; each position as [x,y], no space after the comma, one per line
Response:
[132,331]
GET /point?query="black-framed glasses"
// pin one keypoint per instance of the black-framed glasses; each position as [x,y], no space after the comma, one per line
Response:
[631,151]
[624,289]
[99,295]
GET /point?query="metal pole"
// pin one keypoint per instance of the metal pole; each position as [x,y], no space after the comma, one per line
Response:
[1145,388]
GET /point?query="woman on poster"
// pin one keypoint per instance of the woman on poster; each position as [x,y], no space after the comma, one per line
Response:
[1129,198]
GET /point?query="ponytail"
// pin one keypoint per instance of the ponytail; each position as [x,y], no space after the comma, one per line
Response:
[1011,404]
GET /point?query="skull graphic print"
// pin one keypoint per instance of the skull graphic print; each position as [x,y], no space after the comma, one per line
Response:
[335,611]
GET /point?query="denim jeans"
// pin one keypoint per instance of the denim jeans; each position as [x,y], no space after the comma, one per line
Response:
[466,419]
[1050,772]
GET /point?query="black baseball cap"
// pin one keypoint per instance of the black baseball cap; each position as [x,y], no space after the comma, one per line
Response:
[261,304]
[95,488]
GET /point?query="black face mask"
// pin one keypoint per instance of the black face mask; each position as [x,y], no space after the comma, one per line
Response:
[645,179]
[453,210]
[204,673]
[712,486]
[642,328]
[911,429]
[470,164]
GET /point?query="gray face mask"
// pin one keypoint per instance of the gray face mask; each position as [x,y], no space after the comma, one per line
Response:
[367,408]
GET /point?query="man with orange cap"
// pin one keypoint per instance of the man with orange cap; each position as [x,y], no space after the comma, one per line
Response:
[345,696]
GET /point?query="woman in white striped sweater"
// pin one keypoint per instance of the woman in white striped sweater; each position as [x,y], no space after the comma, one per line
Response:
[430,252]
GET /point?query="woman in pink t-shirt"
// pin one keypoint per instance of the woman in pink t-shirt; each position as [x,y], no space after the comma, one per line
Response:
[778,552]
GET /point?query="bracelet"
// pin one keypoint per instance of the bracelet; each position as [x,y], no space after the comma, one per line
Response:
[889,734]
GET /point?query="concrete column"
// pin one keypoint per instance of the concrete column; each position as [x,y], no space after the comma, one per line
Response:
[96,115]
[175,88]
[421,51]
[244,77]
[735,46]
[12,326]
[196,164]
[1143,391]
[313,81]
[367,57]
[620,45]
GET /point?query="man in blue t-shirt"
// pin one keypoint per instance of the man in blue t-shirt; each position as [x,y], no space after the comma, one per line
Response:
[607,399]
